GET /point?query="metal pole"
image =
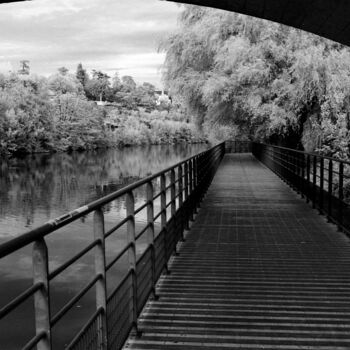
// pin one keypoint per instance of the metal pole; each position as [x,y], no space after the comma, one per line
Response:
[130,212]
[163,218]
[340,196]
[314,173]
[191,188]
[150,235]
[172,192]
[330,188]
[41,297]
[308,166]
[180,175]
[173,203]
[187,214]
[100,269]
[321,183]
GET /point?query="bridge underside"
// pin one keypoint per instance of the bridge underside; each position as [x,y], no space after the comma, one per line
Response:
[327,18]
[259,269]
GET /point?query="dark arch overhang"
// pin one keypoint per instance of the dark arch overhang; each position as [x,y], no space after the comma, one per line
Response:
[327,18]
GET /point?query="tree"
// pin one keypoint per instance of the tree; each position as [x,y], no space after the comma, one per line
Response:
[25,69]
[99,85]
[116,83]
[82,75]
[129,84]
[268,80]
[26,123]
[63,71]
[63,84]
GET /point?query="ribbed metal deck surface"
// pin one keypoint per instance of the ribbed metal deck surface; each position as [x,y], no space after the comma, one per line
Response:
[259,270]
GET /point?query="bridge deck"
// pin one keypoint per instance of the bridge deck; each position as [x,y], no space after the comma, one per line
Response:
[259,270]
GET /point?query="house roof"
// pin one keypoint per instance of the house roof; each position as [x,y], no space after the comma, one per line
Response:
[327,18]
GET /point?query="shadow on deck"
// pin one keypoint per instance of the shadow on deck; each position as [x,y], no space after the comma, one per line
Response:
[259,269]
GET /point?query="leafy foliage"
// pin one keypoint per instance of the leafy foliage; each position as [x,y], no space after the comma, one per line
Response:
[55,114]
[261,79]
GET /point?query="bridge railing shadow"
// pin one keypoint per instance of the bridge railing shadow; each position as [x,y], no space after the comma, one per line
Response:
[322,181]
[172,198]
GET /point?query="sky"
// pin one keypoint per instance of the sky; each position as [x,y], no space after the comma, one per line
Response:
[109,35]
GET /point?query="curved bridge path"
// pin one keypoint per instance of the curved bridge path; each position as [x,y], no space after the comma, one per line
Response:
[259,269]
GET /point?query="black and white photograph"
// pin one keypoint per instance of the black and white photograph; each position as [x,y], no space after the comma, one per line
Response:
[174,175]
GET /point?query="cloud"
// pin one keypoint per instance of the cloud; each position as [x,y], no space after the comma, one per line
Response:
[100,34]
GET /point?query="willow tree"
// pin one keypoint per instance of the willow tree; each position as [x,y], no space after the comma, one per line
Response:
[268,80]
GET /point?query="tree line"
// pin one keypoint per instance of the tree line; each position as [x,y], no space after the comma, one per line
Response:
[59,113]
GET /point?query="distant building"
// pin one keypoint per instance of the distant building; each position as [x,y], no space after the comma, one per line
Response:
[162,97]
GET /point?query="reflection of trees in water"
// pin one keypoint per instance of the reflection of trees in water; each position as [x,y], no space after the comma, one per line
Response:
[61,182]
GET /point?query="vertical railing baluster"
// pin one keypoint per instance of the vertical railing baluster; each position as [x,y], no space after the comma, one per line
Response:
[195,184]
[195,172]
[314,181]
[172,192]
[191,188]
[187,212]
[186,170]
[163,218]
[330,188]
[303,188]
[321,183]
[130,212]
[180,193]
[308,167]
[340,195]
[41,296]
[299,169]
[100,269]
[150,234]
[173,205]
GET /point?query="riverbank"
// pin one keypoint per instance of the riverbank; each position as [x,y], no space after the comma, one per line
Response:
[100,129]
[59,114]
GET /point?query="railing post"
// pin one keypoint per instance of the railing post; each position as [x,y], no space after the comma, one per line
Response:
[130,212]
[172,192]
[340,195]
[195,183]
[330,188]
[173,202]
[195,173]
[41,297]
[321,183]
[163,218]
[150,234]
[191,188]
[186,167]
[100,269]
[308,166]
[314,178]
[187,214]
[180,177]
[303,190]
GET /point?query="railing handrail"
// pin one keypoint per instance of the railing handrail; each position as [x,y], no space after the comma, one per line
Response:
[52,225]
[303,152]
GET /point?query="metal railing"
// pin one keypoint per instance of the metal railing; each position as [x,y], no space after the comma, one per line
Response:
[323,181]
[181,188]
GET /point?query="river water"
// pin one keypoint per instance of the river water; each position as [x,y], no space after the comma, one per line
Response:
[37,188]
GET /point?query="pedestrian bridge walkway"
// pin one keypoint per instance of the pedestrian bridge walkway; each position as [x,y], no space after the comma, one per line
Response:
[259,269]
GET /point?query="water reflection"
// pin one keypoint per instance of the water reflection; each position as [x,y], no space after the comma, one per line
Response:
[37,188]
